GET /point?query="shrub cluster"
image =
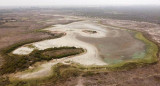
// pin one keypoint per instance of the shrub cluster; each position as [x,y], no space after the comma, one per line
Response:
[15,63]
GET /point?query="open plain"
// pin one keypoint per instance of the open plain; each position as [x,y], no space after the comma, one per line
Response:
[116,52]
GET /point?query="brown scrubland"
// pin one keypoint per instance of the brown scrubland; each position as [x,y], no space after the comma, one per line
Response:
[26,26]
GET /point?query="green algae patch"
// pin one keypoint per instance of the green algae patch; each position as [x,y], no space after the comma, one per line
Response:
[112,61]
[138,55]
[151,49]
[149,56]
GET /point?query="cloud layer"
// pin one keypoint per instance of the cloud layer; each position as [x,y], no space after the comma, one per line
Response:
[77,2]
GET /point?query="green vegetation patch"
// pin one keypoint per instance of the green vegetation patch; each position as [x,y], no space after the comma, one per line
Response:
[151,49]
[56,53]
[15,63]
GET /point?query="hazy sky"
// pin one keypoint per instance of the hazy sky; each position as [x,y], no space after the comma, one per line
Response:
[77,2]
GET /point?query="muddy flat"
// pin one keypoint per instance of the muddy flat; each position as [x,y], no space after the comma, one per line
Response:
[117,46]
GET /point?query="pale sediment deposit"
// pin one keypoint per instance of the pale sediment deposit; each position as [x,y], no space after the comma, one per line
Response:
[91,57]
